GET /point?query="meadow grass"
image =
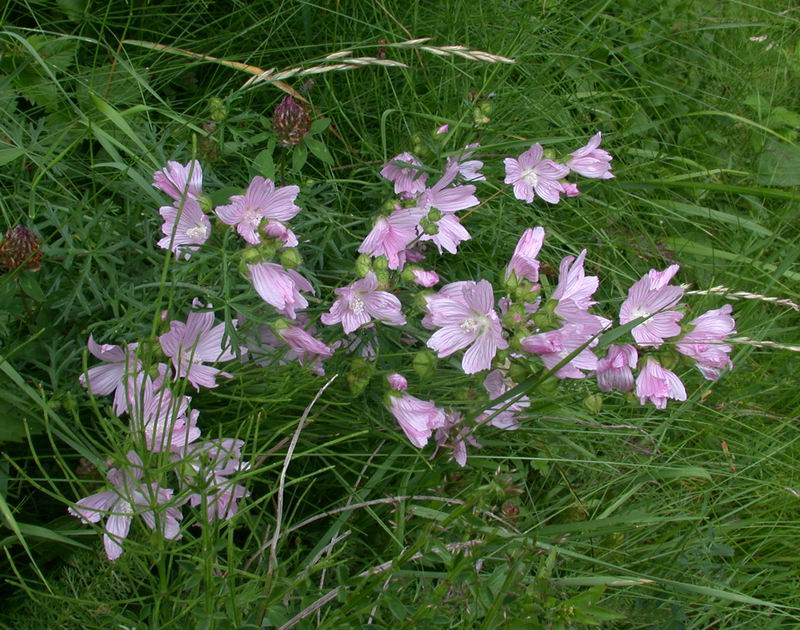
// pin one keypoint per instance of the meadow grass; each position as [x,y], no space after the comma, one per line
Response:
[626,517]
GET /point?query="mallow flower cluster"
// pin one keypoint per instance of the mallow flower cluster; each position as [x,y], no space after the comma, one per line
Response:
[526,328]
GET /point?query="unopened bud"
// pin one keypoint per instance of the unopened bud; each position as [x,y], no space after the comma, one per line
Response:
[519,371]
[206,205]
[291,258]
[425,364]
[428,227]
[382,275]
[594,403]
[359,375]
[434,215]
[380,263]
[363,265]
[218,109]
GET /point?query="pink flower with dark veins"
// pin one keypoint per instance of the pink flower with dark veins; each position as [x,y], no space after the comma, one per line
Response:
[179,181]
[360,303]
[705,341]
[402,172]
[531,174]
[592,161]
[261,201]
[192,230]
[614,371]
[281,288]
[455,436]
[656,384]
[556,345]
[524,263]
[654,298]
[418,418]
[119,365]
[390,236]
[505,414]
[466,318]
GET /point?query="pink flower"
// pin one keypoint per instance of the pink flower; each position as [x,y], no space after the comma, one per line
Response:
[442,130]
[574,296]
[211,463]
[590,161]
[179,181]
[128,496]
[418,418]
[192,344]
[361,302]
[469,170]
[391,235]
[523,263]
[397,382]
[570,189]
[505,414]
[705,341]
[450,234]
[308,349]
[455,436]
[192,230]
[262,200]
[424,278]
[112,375]
[614,370]
[556,345]
[653,297]
[280,287]
[408,180]
[532,175]
[446,198]
[467,318]
[657,384]
[161,418]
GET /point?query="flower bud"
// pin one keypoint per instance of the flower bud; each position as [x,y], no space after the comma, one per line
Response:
[388,206]
[380,263]
[434,215]
[430,228]
[291,258]
[479,118]
[218,109]
[425,364]
[20,248]
[397,382]
[279,325]
[359,375]
[519,371]
[407,275]
[515,316]
[290,121]
[363,265]
[382,276]
[593,403]
[511,283]
[251,255]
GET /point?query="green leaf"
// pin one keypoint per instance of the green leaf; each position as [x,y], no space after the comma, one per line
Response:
[319,125]
[9,154]
[264,164]
[299,156]
[319,149]
[29,283]
[713,215]
[778,164]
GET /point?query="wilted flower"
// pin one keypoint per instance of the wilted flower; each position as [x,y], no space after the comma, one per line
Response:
[262,200]
[653,297]
[119,365]
[418,418]
[360,302]
[524,264]
[408,180]
[591,161]
[556,345]
[503,415]
[656,384]
[192,344]
[390,236]
[127,497]
[454,435]
[290,121]
[705,341]
[192,230]
[180,182]
[530,175]
[280,287]
[614,370]
[465,312]
[20,246]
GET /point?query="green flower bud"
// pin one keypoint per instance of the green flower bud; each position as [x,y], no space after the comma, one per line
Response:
[479,118]
[425,364]
[280,324]
[359,375]
[543,320]
[511,283]
[380,263]
[548,386]
[515,316]
[550,154]
[519,371]
[430,228]
[218,109]
[434,215]
[668,358]
[516,341]
[407,275]
[593,403]
[251,255]
[291,258]
[382,276]
[419,300]
[486,107]
[206,205]
[363,265]
[408,203]
[388,206]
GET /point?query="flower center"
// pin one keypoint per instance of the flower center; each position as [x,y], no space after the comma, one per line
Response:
[474,325]
[199,231]
[530,177]
[639,312]
[251,216]
[356,305]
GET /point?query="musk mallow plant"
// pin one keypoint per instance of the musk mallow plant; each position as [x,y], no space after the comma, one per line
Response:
[504,338]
